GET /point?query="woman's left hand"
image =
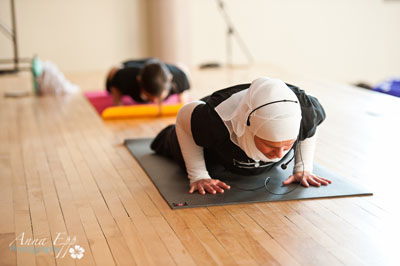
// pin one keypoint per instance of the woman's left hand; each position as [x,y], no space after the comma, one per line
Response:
[307,180]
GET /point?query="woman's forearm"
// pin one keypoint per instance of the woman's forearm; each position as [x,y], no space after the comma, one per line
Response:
[192,153]
[305,154]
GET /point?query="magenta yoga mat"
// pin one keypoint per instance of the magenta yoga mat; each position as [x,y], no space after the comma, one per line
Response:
[102,99]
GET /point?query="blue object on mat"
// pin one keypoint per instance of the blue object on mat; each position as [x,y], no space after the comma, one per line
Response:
[391,86]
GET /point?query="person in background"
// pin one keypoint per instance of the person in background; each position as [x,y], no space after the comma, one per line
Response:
[147,80]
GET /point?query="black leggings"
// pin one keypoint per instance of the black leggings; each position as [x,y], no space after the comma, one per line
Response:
[166,144]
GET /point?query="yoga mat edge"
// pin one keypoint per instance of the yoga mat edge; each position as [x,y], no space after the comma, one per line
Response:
[173,184]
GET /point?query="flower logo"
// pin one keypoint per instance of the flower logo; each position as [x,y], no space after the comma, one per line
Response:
[77,252]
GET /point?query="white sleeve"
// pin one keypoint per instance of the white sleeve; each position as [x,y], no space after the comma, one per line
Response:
[305,153]
[192,153]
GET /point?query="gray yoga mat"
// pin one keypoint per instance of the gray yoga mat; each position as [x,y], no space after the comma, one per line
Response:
[171,181]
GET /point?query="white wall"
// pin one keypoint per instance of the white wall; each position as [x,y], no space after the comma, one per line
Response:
[79,35]
[169,30]
[346,40]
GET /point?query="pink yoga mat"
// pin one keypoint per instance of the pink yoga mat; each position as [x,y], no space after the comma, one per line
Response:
[102,100]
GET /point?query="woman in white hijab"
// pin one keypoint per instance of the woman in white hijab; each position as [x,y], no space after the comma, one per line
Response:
[247,128]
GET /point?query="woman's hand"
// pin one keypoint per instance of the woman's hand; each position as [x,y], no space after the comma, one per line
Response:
[212,186]
[159,108]
[309,179]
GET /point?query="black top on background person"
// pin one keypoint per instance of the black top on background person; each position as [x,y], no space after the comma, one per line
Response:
[147,80]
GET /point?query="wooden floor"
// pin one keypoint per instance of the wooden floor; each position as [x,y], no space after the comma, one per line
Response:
[65,174]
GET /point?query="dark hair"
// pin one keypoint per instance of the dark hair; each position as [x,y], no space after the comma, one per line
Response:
[155,77]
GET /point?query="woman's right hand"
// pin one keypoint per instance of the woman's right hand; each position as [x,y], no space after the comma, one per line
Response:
[212,186]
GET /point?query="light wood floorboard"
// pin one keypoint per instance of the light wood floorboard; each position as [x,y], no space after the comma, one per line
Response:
[64,172]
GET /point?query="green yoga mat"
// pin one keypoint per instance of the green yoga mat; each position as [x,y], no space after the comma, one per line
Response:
[171,181]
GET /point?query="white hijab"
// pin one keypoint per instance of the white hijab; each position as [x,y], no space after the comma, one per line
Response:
[274,122]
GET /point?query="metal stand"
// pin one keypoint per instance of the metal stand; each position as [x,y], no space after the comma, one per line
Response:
[230,33]
[11,33]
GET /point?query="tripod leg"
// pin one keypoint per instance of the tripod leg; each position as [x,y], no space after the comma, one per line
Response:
[229,49]
[14,35]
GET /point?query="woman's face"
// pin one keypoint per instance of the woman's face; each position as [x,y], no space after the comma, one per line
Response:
[154,99]
[272,149]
